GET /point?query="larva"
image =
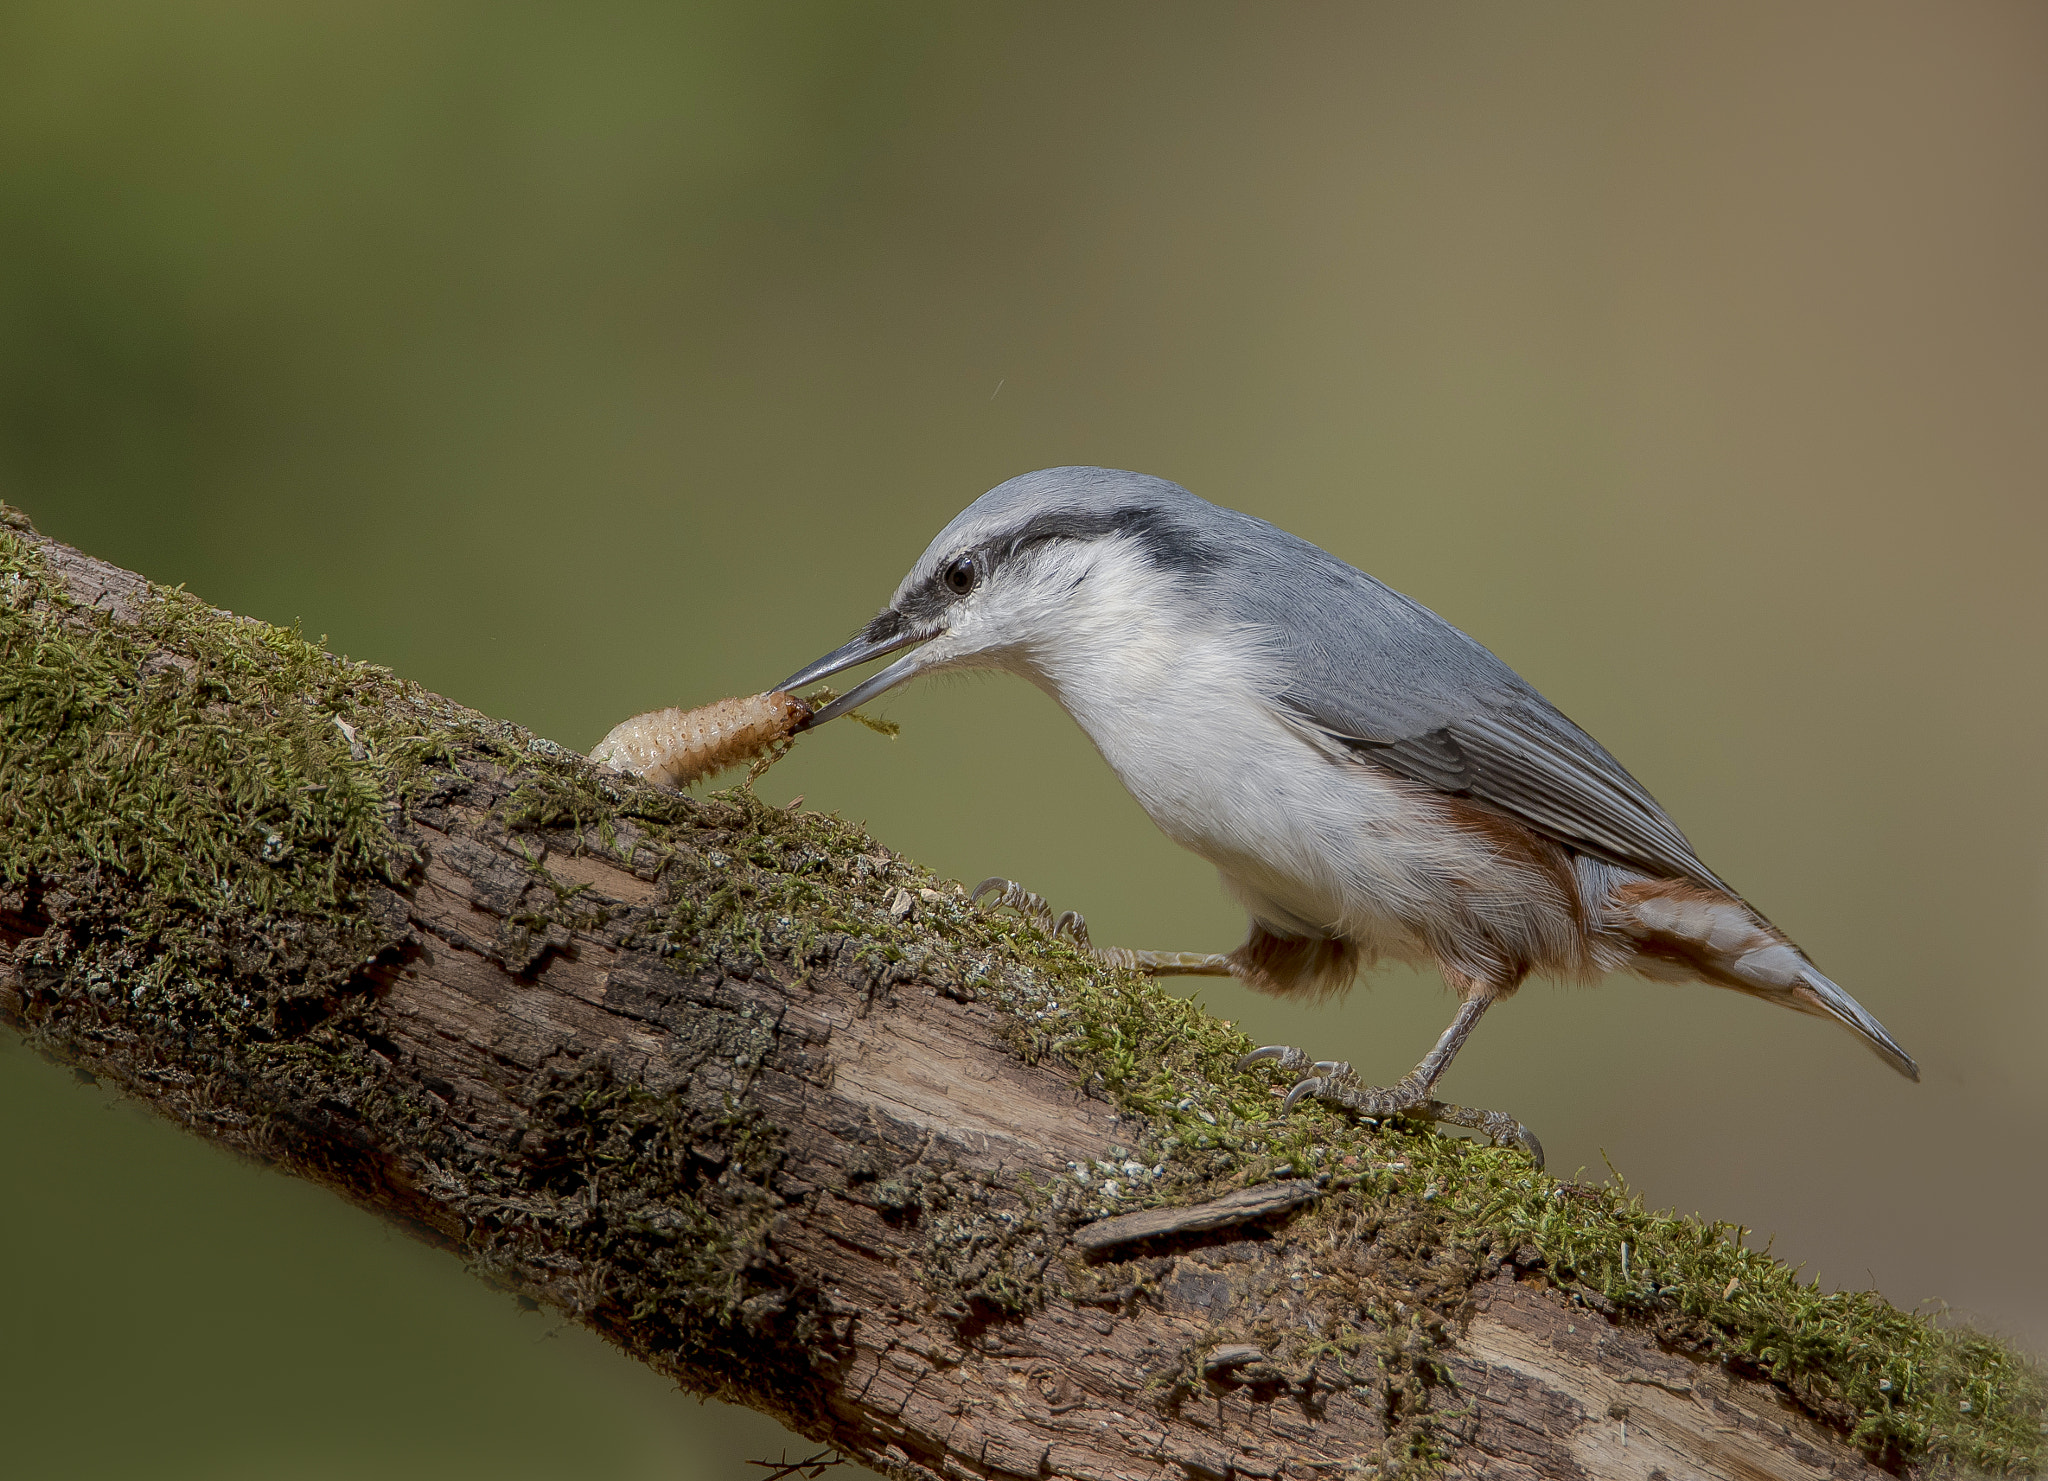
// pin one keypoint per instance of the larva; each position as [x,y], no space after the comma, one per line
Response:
[676,747]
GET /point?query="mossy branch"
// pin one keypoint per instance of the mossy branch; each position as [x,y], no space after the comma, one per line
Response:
[782,1116]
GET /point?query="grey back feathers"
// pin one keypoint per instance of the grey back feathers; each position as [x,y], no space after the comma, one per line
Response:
[1368,781]
[1371,670]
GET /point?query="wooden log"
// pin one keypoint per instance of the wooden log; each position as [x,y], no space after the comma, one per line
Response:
[785,1117]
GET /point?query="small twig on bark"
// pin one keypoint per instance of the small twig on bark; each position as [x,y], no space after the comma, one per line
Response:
[810,1467]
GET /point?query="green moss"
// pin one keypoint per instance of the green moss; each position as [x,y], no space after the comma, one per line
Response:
[1442,1212]
[665,1217]
[1908,1389]
[235,835]
[197,771]
[225,779]
[208,809]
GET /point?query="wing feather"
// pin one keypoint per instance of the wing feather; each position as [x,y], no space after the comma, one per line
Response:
[1585,801]
[1401,688]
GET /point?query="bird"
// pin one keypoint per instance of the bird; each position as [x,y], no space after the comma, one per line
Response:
[1370,782]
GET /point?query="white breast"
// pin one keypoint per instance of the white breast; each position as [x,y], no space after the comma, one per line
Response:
[1313,843]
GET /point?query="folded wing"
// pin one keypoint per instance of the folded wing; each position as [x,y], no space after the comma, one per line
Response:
[1465,723]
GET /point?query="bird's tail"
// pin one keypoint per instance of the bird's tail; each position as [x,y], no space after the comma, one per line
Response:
[1685,930]
[1817,995]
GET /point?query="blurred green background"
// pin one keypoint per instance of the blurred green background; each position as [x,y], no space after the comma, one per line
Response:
[578,360]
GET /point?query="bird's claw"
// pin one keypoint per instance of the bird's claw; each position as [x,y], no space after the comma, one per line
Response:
[1333,1083]
[1009,895]
[1072,927]
[1499,1128]
[1291,1060]
[1336,1085]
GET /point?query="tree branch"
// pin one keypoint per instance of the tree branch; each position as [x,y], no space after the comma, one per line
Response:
[782,1116]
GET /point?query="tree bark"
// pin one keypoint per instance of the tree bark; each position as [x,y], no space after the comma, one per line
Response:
[723,1083]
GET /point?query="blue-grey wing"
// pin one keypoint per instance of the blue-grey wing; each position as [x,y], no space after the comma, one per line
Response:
[1403,689]
[1557,787]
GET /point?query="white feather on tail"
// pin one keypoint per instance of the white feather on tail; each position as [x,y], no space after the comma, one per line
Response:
[1683,930]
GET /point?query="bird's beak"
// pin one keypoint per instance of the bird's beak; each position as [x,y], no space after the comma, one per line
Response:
[893,636]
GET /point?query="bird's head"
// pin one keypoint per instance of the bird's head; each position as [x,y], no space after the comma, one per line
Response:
[1037,572]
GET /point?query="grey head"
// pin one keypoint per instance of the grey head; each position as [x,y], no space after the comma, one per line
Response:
[1010,574]
[1068,556]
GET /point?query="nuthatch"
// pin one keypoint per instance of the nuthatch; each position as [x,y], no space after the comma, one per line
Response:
[1368,780]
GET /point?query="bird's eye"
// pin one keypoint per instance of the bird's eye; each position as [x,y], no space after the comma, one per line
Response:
[960,576]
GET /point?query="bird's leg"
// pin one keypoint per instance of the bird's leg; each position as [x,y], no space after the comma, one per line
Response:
[1335,1084]
[1072,926]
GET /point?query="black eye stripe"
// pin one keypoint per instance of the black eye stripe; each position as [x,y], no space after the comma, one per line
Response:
[1167,546]
[974,566]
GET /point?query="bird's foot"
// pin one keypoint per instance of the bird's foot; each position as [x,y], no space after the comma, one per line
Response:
[1335,1084]
[1072,926]
[1009,895]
